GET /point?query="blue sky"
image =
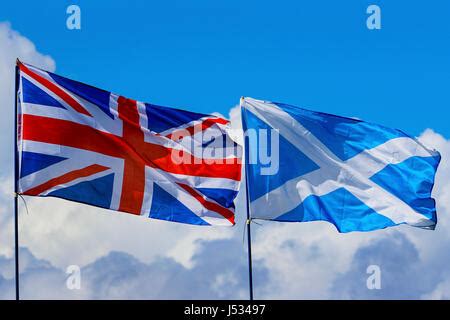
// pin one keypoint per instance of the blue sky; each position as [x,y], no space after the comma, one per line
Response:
[203,55]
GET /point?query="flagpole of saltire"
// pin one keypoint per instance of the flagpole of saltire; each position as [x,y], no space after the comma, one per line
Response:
[16,180]
[249,220]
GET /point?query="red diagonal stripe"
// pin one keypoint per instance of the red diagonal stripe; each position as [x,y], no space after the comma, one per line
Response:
[65,178]
[205,124]
[211,206]
[55,89]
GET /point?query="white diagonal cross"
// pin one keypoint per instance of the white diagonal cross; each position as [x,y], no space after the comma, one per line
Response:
[352,174]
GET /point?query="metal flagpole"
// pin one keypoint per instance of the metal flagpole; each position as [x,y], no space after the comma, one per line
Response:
[16,189]
[249,243]
[249,220]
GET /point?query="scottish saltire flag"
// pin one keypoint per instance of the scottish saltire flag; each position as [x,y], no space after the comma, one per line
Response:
[357,175]
[88,145]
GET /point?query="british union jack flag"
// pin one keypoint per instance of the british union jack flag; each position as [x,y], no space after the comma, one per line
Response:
[84,144]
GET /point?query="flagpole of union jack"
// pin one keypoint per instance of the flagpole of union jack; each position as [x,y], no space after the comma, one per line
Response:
[16,181]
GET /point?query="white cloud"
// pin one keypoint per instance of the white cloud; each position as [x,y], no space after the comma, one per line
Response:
[441,292]
[236,132]
[119,275]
